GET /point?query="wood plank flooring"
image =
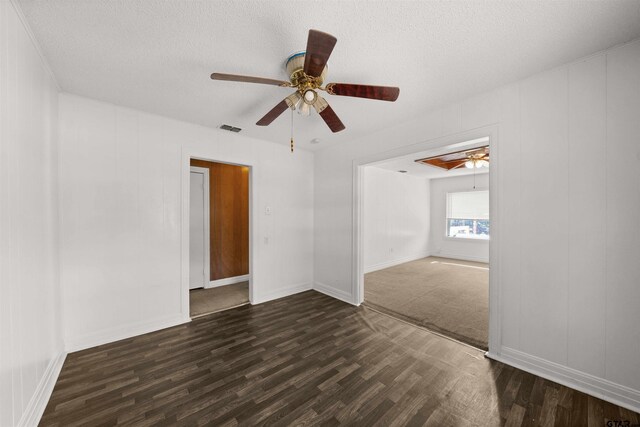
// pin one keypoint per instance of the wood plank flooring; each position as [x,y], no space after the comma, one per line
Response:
[307,359]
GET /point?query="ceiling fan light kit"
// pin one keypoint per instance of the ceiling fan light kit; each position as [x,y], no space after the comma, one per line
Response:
[307,71]
[476,163]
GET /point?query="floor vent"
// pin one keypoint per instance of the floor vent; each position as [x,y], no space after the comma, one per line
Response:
[230,128]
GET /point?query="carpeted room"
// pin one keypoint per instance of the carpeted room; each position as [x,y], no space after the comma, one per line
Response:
[444,295]
[426,239]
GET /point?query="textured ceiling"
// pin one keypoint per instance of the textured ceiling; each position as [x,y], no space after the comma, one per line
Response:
[157,55]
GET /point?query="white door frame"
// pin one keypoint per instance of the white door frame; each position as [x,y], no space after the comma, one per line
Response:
[187,156]
[207,223]
[451,141]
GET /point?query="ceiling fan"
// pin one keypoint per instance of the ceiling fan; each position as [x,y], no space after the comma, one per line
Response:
[307,71]
[473,158]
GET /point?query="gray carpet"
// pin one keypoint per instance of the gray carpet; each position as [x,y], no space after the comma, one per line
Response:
[205,301]
[445,295]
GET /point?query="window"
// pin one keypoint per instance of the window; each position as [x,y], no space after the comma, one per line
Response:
[468,215]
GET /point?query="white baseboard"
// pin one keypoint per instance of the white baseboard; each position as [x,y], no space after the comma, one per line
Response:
[123,332]
[461,257]
[333,292]
[586,383]
[38,403]
[394,262]
[227,281]
[281,293]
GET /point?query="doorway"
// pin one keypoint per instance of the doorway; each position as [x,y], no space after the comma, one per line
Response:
[447,286]
[426,242]
[219,268]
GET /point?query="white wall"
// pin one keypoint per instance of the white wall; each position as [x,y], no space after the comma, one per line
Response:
[439,245]
[31,350]
[568,267]
[396,218]
[121,204]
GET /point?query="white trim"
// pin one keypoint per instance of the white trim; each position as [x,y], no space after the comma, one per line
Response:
[394,262]
[36,406]
[460,257]
[227,281]
[586,383]
[495,316]
[116,334]
[281,293]
[465,239]
[34,42]
[207,223]
[477,136]
[333,292]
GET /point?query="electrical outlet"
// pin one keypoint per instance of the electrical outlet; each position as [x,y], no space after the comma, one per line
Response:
[267,210]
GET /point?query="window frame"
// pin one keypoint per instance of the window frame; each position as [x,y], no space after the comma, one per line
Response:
[446,218]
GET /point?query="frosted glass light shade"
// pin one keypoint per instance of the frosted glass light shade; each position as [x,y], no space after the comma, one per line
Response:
[304,109]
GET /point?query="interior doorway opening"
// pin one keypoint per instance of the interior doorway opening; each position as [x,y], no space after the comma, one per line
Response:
[219,236]
[424,236]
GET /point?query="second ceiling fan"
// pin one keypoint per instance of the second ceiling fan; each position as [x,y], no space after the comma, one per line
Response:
[307,71]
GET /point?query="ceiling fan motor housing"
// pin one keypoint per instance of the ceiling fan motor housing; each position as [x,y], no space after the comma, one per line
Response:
[294,67]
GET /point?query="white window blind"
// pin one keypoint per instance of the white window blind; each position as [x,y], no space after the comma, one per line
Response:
[468,205]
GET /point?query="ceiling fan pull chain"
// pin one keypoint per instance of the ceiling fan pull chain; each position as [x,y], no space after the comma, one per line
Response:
[292,131]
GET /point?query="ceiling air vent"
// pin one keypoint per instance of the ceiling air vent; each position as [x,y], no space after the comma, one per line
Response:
[230,128]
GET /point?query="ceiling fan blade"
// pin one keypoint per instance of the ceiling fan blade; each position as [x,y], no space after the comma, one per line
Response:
[382,93]
[328,115]
[273,114]
[249,79]
[319,48]
[459,166]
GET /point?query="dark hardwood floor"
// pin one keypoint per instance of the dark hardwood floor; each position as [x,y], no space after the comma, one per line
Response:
[307,359]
